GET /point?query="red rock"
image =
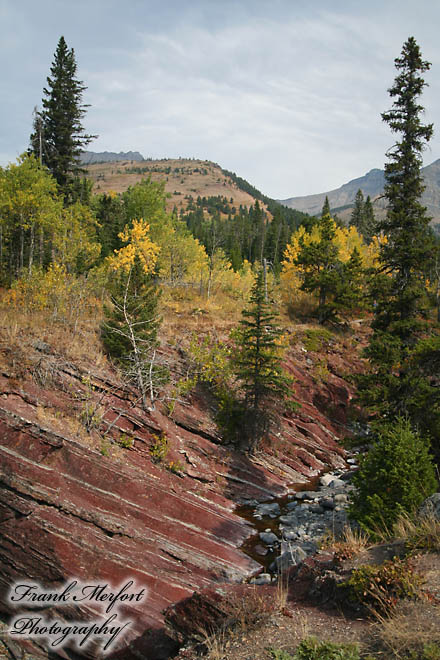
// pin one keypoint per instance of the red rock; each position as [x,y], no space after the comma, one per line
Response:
[66,511]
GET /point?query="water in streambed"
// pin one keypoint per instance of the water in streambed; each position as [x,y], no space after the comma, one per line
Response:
[289,528]
[253,546]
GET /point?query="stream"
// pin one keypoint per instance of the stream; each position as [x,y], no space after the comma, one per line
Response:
[288,529]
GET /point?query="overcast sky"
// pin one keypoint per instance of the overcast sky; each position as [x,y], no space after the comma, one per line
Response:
[286,93]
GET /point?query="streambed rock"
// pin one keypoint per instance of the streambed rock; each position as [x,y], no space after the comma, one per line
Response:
[269,538]
[306,518]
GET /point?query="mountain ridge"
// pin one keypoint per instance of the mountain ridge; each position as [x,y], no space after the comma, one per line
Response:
[372,183]
[91,157]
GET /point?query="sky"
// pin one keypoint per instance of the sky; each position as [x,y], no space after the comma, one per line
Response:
[287,94]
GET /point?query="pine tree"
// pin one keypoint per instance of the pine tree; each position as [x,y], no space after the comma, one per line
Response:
[362,216]
[394,477]
[406,224]
[59,136]
[258,366]
[325,208]
[321,268]
[370,228]
[349,294]
[357,215]
[400,287]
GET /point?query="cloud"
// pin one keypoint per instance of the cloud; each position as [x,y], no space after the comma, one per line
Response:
[287,94]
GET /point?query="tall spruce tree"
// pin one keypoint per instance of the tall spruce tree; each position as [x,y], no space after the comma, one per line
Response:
[408,247]
[258,367]
[400,287]
[357,215]
[370,224]
[362,216]
[59,135]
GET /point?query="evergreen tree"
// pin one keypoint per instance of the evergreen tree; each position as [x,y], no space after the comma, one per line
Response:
[394,477]
[357,215]
[370,228]
[400,288]
[349,294]
[362,216]
[258,367]
[109,210]
[326,208]
[406,224]
[59,136]
[321,268]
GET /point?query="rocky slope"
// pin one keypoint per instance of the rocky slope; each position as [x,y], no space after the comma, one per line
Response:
[68,510]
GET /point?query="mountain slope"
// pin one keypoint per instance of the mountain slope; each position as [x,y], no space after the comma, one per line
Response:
[183,178]
[370,184]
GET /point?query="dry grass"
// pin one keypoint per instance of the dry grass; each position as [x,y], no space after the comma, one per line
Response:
[347,545]
[22,328]
[117,176]
[243,614]
[410,627]
[185,311]
[422,533]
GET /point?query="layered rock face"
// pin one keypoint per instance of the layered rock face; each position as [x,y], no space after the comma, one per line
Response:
[69,512]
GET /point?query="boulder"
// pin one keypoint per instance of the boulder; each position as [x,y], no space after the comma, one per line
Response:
[295,555]
[271,509]
[326,479]
[263,578]
[327,503]
[431,506]
[336,483]
[269,538]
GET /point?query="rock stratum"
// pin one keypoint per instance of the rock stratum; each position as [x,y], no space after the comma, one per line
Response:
[68,511]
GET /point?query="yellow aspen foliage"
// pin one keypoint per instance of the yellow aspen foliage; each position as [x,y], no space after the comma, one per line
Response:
[182,258]
[346,239]
[75,244]
[138,244]
[66,296]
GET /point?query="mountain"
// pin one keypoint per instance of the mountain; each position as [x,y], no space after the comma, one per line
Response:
[341,200]
[185,180]
[89,157]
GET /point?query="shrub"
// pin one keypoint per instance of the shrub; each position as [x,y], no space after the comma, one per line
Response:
[67,297]
[277,654]
[393,478]
[315,338]
[125,441]
[176,467]
[379,588]
[159,449]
